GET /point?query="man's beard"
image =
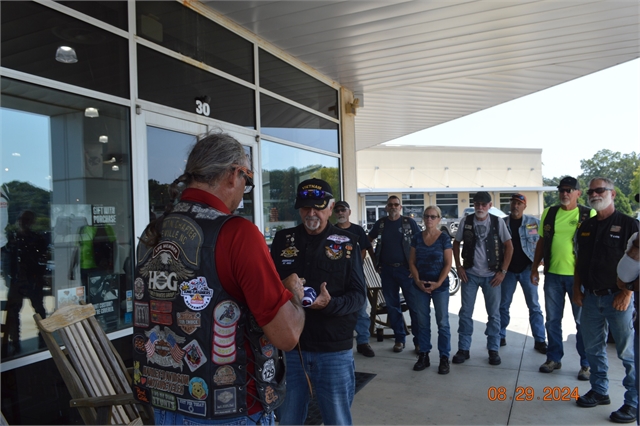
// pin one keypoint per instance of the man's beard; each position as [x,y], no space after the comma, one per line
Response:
[600,204]
[481,214]
[312,223]
[342,220]
[565,202]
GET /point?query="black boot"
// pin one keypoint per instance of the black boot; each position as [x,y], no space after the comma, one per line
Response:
[423,361]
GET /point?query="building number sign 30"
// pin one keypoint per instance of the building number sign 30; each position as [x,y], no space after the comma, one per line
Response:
[202,108]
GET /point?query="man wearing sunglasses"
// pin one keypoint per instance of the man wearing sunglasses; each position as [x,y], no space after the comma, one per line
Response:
[602,242]
[342,211]
[556,246]
[393,248]
[329,261]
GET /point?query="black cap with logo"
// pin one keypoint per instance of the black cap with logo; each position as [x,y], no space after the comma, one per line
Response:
[570,182]
[314,193]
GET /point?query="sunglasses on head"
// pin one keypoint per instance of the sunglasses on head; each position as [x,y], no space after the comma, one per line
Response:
[314,194]
[599,190]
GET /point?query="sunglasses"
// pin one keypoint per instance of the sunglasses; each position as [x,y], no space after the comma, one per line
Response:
[248,179]
[566,190]
[431,216]
[340,210]
[314,194]
[393,204]
[600,190]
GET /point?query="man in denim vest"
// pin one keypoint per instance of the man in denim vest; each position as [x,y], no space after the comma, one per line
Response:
[524,236]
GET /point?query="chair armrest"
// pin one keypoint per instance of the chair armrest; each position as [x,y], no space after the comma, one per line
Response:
[102,401]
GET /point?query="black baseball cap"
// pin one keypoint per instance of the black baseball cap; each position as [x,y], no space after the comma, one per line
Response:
[314,193]
[342,204]
[482,197]
[570,182]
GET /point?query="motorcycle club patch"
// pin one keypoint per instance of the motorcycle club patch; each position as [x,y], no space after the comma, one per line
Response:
[224,375]
[138,343]
[188,321]
[195,408]
[289,252]
[269,370]
[194,355]
[138,288]
[161,312]
[198,388]
[196,293]
[338,238]
[141,314]
[225,401]
[270,395]
[227,313]
[266,347]
[162,347]
[163,400]
[334,251]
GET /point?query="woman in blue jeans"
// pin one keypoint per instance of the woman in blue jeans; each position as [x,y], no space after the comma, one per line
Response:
[430,262]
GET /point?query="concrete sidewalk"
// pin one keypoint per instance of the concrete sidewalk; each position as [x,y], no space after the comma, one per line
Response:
[399,395]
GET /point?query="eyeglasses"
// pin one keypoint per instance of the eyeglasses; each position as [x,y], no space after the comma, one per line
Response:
[314,194]
[600,190]
[393,204]
[431,216]
[566,190]
[248,179]
[341,210]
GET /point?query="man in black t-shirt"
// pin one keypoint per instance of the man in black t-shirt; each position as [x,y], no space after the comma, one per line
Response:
[342,210]
[524,236]
[601,243]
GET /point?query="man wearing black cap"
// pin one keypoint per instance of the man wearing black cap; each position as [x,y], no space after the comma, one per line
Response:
[557,247]
[524,235]
[342,210]
[486,255]
[327,258]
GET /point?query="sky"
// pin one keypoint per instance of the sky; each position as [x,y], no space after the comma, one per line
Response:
[570,122]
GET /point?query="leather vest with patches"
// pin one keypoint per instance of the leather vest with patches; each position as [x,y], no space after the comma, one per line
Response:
[493,246]
[189,333]
[407,233]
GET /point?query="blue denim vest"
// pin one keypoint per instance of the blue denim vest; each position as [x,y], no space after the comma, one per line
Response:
[528,232]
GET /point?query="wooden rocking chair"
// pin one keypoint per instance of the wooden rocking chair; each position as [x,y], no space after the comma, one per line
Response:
[92,369]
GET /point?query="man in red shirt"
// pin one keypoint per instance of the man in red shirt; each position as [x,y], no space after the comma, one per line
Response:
[211,312]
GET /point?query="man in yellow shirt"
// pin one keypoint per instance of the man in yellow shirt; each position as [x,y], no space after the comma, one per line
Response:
[556,246]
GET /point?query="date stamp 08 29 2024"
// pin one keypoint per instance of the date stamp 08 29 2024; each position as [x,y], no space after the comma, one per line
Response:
[527,393]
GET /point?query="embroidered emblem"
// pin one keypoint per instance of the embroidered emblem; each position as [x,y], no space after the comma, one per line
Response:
[290,252]
[163,400]
[196,293]
[287,261]
[334,251]
[162,347]
[188,321]
[194,355]
[223,331]
[225,401]
[223,360]
[138,343]
[227,313]
[270,395]
[338,238]
[138,288]
[197,408]
[141,394]
[616,228]
[224,375]
[141,315]
[266,347]
[163,380]
[268,370]
[224,340]
[137,375]
[164,271]
[198,388]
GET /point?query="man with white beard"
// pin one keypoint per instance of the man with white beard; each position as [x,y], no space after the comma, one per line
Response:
[486,254]
[327,258]
[556,246]
[602,242]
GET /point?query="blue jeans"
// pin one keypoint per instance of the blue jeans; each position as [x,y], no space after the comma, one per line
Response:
[556,287]
[508,287]
[394,279]
[332,375]
[163,417]
[362,325]
[468,291]
[441,305]
[597,311]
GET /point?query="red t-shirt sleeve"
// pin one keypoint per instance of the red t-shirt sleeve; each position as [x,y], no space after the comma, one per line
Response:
[247,272]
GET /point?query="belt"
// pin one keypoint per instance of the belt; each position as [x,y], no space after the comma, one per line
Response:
[395,265]
[604,292]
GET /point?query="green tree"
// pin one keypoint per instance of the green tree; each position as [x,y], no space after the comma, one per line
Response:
[613,165]
[622,203]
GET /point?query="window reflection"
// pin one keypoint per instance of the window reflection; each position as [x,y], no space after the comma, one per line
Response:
[65,211]
[283,168]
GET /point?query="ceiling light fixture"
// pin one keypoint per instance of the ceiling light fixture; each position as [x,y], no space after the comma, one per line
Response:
[66,55]
[103,139]
[91,112]
[115,168]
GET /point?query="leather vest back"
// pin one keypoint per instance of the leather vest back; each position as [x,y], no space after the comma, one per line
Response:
[494,247]
[189,333]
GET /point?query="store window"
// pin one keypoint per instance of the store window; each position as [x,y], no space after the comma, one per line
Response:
[66,209]
[287,122]
[111,12]
[375,208]
[171,82]
[413,206]
[286,80]
[448,204]
[505,202]
[33,36]
[283,168]
[183,30]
